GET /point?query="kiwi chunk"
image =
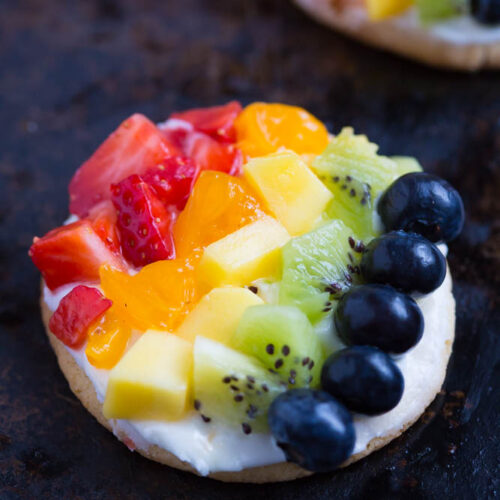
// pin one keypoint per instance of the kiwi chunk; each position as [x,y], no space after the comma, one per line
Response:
[355,174]
[318,267]
[282,338]
[232,387]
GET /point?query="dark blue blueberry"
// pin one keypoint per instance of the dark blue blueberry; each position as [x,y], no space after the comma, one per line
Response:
[380,316]
[365,379]
[406,261]
[425,204]
[313,429]
[486,11]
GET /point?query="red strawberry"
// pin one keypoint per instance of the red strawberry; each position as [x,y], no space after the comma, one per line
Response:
[173,180]
[75,313]
[210,155]
[131,149]
[103,219]
[206,152]
[143,221]
[217,121]
[72,253]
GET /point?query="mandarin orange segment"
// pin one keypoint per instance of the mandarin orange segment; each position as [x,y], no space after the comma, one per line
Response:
[219,204]
[107,340]
[265,128]
[159,296]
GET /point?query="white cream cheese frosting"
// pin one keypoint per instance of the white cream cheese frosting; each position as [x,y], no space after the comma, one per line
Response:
[216,447]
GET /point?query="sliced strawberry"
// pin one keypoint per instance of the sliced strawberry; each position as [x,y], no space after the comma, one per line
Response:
[72,253]
[103,219]
[75,313]
[211,155]
[173,180]
[131,149]
[206,152]
[143,221]
[217,121]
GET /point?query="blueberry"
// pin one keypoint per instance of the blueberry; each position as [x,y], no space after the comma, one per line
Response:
[406,261]
[486,11]
[365,379]
[425,204]
[380,316]
[313,429]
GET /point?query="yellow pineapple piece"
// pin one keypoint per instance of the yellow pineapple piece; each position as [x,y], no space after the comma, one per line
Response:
[381,9]
[217,314]
[249,253]
[153,380]
[294,195]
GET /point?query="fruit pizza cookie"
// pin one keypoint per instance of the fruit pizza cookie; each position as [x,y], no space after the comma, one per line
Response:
[239,294]
[458,34]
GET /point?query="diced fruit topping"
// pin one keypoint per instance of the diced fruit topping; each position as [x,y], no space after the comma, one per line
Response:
[75,313]
[381,9]
[152,381]
[231,387]
[134,147]
[143,221]
[425,204]
[282,339]
[72,253]
[159,296]
[219,205]
[313,429]
[252,252]
[211,155]
[216,121]
[355,156]
[294,195]
[103,218]
[317,267]
[217,314]
[107,340]
[355,174]
[265,128]
[172,180]
[380,316]
[364,379]
[405,261]
[439,10]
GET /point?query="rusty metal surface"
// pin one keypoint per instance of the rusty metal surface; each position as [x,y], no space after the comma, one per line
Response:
[71,71]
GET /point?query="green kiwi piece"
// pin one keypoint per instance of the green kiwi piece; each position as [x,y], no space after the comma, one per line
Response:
[283,340]
[318,267]
[232,387]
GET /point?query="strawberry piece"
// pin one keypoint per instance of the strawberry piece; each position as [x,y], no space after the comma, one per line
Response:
[210,155]
[72,253]
[143,221]
[75,313]
[131,149]
[103,219]
[173,180]
[216,121]
[206,152]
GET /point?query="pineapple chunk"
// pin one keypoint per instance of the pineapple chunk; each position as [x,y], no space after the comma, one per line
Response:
[241,257]
[292,192]
[381,9]
[217,314]
[152,381]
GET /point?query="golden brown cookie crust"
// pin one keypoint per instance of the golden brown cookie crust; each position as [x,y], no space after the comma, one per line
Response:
[413,43]
[84,390]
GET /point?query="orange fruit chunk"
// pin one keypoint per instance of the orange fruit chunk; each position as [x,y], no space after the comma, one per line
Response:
[218,205]
[263,128]
[160,295]
[107,340]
